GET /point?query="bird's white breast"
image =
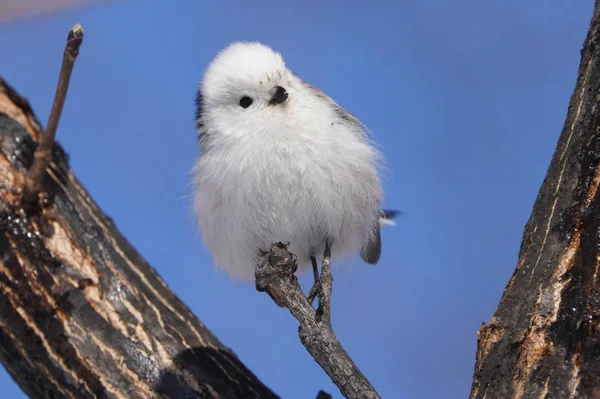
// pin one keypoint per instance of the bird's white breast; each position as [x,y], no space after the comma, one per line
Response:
[286,181]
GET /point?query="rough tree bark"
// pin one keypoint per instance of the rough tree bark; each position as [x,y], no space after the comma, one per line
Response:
[275,275]
[82,315]
[544,339]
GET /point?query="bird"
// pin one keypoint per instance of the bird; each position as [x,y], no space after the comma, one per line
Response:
[280,161]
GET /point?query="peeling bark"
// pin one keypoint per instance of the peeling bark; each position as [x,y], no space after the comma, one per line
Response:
[82,315]
[544,339]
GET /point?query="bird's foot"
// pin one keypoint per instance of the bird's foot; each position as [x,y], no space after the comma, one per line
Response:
[315,291]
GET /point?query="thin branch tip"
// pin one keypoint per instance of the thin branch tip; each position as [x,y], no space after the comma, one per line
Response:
[43,153]
[74,40]
[76,31]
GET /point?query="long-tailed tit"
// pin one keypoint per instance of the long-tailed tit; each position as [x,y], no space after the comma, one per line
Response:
[280,161]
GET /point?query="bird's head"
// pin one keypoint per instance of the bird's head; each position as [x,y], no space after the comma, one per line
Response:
[247,83]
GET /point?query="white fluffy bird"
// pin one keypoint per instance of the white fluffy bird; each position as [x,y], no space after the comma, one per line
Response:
[280,161]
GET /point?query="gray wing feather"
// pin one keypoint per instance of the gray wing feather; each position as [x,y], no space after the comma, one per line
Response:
[371,252]
[343,113]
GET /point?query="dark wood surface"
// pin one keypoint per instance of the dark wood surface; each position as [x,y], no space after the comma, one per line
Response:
[544,339]
[82,314]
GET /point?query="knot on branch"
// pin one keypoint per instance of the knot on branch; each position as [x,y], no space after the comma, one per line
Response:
[275,265]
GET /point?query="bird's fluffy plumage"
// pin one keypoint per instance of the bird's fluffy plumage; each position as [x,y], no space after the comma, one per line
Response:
[302,171]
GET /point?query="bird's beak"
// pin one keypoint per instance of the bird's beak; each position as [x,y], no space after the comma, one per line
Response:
[279,95]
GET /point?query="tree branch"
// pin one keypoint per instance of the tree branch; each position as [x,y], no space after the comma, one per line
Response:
[275,275]
[82,314]
[42,155]
[544,339]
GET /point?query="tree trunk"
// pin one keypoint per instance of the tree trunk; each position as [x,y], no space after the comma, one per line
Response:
[544,339]
[82,315]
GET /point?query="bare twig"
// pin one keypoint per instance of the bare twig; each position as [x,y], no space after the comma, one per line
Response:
[43,153]
[275,275]
[324,309]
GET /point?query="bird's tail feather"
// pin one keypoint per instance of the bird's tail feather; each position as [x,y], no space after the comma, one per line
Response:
[387,216]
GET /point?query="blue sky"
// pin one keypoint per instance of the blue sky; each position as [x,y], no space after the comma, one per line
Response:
[467,99]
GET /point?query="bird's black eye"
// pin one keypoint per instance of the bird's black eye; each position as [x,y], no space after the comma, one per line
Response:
[245,102]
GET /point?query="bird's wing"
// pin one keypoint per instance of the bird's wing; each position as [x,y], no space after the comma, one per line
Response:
[371,251]
[344,114]
[202,133]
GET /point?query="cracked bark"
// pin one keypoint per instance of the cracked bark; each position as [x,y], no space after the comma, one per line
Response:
[82,315]
[544,339]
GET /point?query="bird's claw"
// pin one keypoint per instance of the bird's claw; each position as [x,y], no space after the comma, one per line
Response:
[315,291]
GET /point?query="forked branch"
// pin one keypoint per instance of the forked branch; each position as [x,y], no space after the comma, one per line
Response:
[275,275]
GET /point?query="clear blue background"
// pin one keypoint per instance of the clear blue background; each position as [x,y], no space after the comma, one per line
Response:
[466,97]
